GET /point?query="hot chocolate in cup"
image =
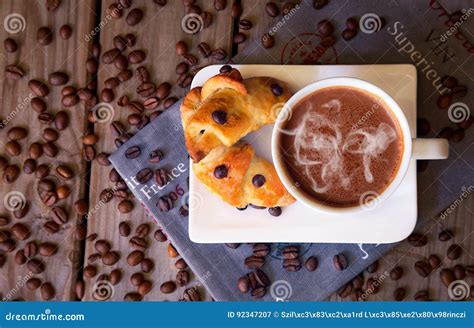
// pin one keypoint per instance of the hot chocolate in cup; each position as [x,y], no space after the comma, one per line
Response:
[341,143]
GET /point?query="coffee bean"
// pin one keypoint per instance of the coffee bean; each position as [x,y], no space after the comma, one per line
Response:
[30,249]
[10,45]
[81,232]
[318,4]
[149,104]
[423,268]
[254,262]
[268,41]
[272,9]
[290,252]
[458,135]
[292,265]
[36,266]
[275,211]
[22,211]
[311,263]
[20,231]
[17,133]
[348,34]
[399,294]
[64,172]
[449,81]
[132,297]
[165,203]
[38,88]
[107,95]
[136,279]
[20,257]
[11,173]
[136,56]
[181,264]
[115,276]
[160,236]
[47,291]
[447,277]
[239,38]
[243,284]
[45,118]
[125,206]
[204,49]
[245,24]
[444,101]
[51,227]
[172,252]
[434,261]
[147,265]
[134,17]
[59,215]
[132,152]
[14,72]
[50,149]
[258,180]
[90,271]
[170,102]
[13,148]
[340,262]
[219,54]
[142,230]
[109,56]
[50,134]
[258,292]
[146,89]
[44,36]
[88,153]
[135,258]
[145,287]
[58,78]
[454,252]
[459,91]
[110,258]
[220,4]
[124,229]
[417,240]
[38,105]
[459,272]
[396,273]
[144,175]
[345,291]
[7,246]
[325,28]
[4,221]
[352,24]
[29,166]
[33,283]
[168,287]
[138,243]
[65,32]
[102,246]
[61,120]
[373,267]
[259,250]
[106,195]
[445,235]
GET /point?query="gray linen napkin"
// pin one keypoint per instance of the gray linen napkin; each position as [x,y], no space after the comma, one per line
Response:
[218,266]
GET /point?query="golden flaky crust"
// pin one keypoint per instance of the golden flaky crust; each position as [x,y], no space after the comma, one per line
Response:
[236,188]
[248,105]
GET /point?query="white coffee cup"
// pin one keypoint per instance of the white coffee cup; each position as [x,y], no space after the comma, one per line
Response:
[414,148]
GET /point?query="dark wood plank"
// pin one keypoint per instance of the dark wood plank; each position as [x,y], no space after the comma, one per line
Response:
[38,61]
[157,34]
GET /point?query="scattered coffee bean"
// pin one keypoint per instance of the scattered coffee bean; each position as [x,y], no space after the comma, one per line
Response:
[20,231]
[254,262]
[33,283]
[423,268]
[340,262]
[132,152]
[44,36]
[311,263]
[58,78]
[136,56]
[132,297]
[345,291]
[399,294]
[36,266]
[444,101]
[135,258]
[181,264]
[160,236]
[417,240]
[459,272]
[144,175]
[90,271]
[292,265]
[268,41]
[434,261]
[110,258]
[10,45]
[14,72]
[447,277]
[136,279]
[165,203]
[124,229]
[454,252]
[47,291]
[168,287]
[396,273]
[125,206]
[172,252]
[134,17]
[220,4]
[65,31]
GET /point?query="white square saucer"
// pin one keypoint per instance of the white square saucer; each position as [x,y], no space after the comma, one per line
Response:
[213,221]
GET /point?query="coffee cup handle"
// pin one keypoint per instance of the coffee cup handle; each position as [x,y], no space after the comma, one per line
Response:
[434,148]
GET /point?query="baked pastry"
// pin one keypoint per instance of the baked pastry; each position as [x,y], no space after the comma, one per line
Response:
[239,177]
[227,108]
[215,117]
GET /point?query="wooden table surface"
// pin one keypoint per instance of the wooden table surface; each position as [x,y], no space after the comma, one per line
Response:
[157,34]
